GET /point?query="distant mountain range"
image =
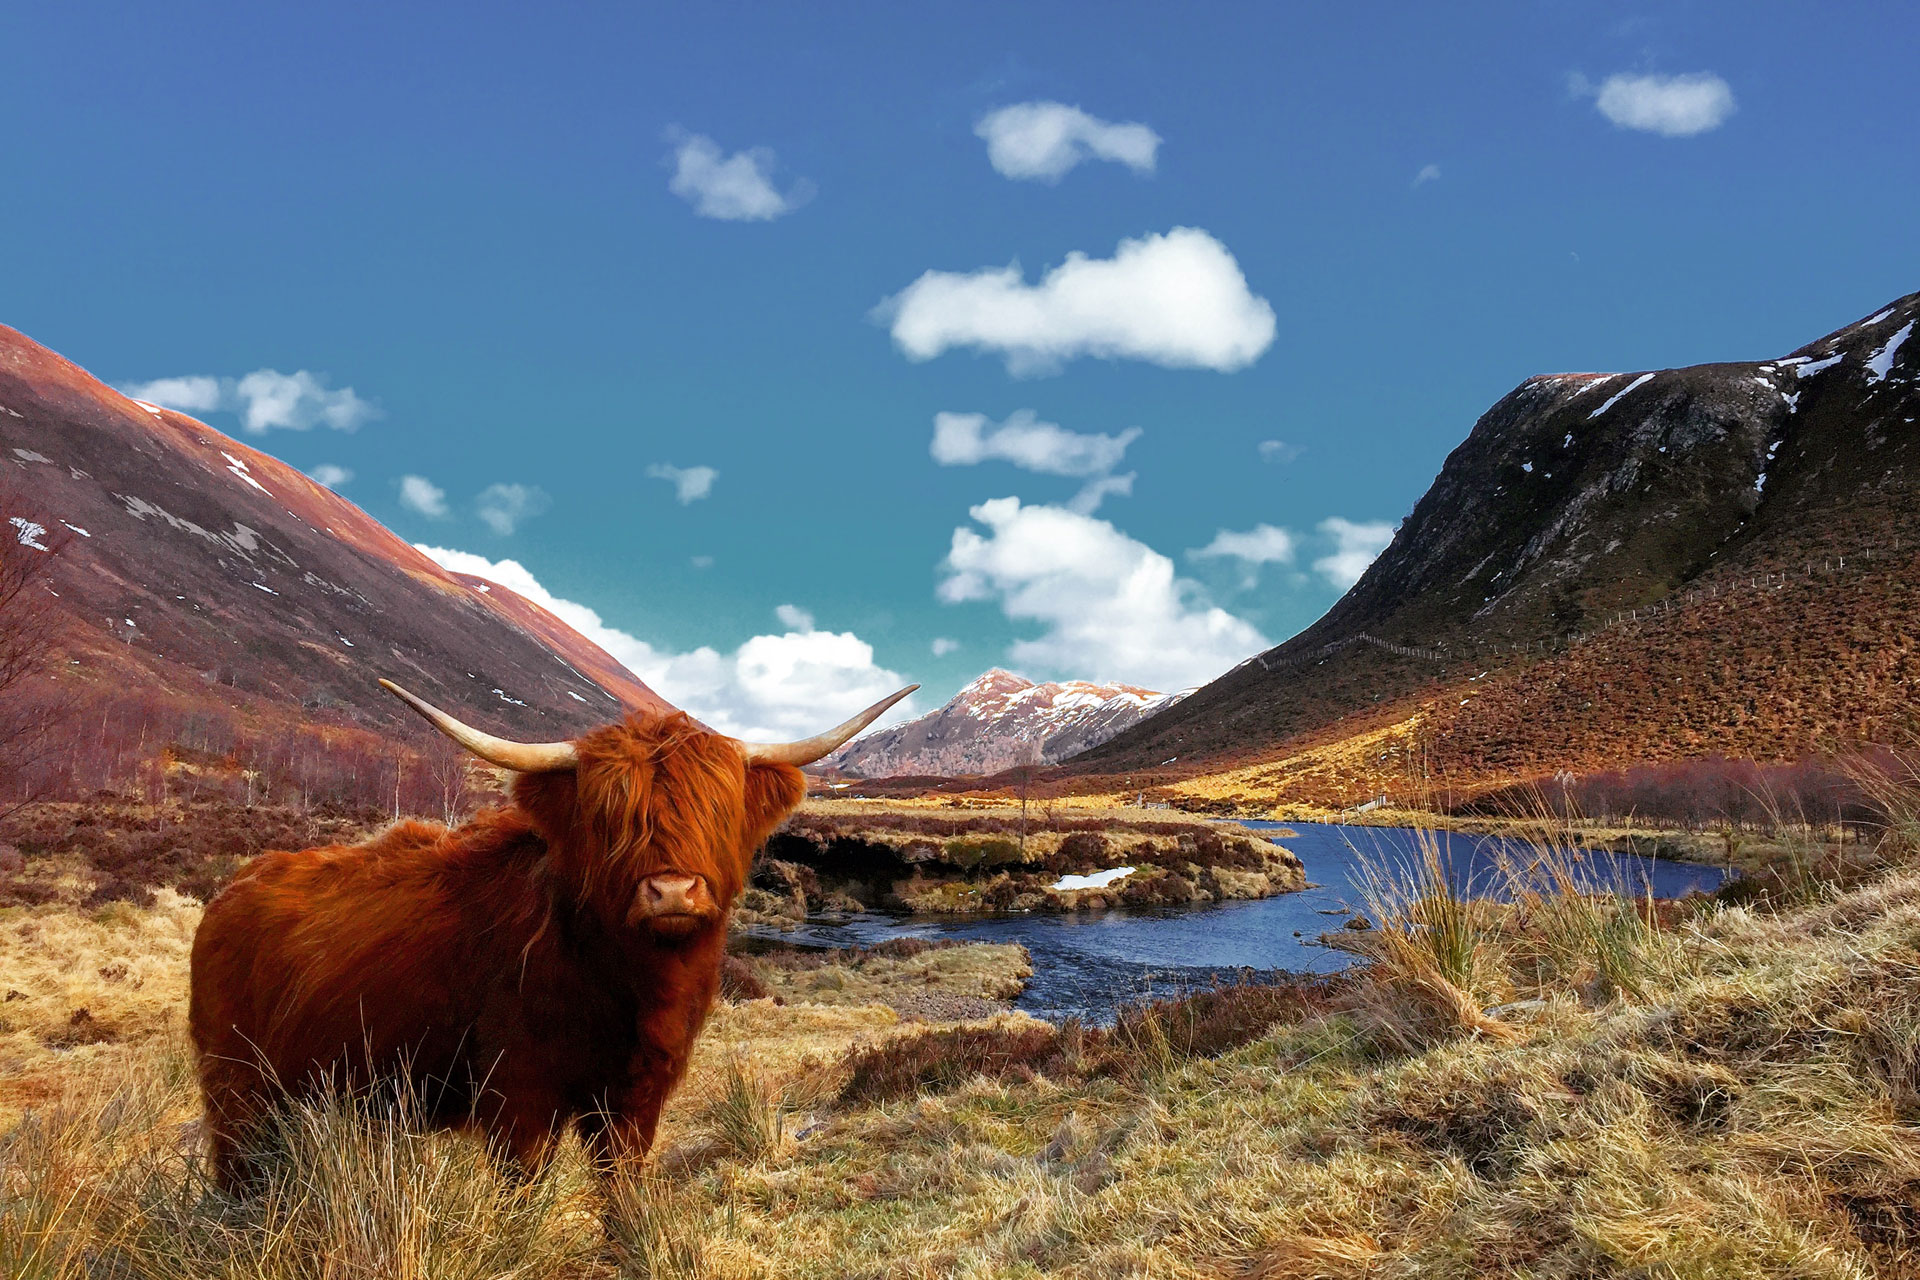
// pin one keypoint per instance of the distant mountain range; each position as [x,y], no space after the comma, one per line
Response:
[998,722]
[1611,568]
[206,576]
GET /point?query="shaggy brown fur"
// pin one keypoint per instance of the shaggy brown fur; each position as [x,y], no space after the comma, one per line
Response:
[512,972]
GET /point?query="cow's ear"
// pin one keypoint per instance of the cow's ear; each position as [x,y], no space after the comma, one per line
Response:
[773,792]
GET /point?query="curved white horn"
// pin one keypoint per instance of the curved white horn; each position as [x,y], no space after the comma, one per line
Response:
[523,757]
[807,750]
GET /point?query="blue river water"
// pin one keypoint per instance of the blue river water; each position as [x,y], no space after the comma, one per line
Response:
[1087,963]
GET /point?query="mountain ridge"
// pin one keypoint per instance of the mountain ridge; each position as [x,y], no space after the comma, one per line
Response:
[1552,552]
[207,574]
[1001,720]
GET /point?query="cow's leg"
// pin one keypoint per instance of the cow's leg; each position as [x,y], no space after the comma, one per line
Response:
[237,1105]
[618,1141]
[521,1128]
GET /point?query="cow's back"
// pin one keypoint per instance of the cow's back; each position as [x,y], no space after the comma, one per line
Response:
[341,960]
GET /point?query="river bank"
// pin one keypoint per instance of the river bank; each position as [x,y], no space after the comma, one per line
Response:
[863,856]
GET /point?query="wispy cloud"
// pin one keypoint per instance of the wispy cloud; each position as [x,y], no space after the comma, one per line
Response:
[942,646]
[1671,106]
[263,399]
[775,686]
[421,495]
[1356,544]
[964,439]
[1177,300]
[504,507]
[1278,451]
[1263,544]
[330,475]
[733,188]
[1109,606]
[1043,140]
[1428,173]
[690,484]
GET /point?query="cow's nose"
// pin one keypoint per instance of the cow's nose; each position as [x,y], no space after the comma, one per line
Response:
[670,895]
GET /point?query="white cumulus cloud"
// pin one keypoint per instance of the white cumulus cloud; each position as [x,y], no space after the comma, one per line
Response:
[504,507]
[1043,140]
[194,393]
[1108,606]
[417,493]
[733,188]
[943,645]
[332,475]
[690,484]
[1177,300]
[1356,544]
[263,399]
[1671,106]
[774,687]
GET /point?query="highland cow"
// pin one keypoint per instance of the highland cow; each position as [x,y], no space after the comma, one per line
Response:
[548,964]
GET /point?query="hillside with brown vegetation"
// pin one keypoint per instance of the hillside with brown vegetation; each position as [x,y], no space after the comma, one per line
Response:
[1611,569]
[212,596]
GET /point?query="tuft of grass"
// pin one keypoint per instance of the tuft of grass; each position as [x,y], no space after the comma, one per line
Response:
[649,1232]
[1435,950]
[108,1181]
[746,1116]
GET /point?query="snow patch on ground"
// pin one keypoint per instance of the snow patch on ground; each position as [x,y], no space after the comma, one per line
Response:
[1818,366]
[502,695]
[576,697]
[28,455]
[77,529]
[262,587]
[1098,880]
[1881,362]
[239,468]
[1614,399]
[28,532]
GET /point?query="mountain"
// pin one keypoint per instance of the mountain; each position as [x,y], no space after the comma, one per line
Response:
[1000,721]
[205,578]
[1611,568]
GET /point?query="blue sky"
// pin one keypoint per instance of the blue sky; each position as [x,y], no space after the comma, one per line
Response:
[550,255]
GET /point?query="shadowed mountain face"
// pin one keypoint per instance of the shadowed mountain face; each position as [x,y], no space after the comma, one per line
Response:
[1593,560]
[203,573]
[998,722]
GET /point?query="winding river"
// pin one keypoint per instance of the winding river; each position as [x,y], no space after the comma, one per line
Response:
[1087,963]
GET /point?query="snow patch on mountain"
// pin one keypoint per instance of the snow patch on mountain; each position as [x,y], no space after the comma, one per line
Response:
[1000,721]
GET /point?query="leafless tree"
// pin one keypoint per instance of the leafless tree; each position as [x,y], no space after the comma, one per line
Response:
[32,626]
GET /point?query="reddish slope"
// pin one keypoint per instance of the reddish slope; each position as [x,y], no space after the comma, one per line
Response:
[204,572]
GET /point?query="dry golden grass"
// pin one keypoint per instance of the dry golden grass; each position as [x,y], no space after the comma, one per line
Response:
[1731,1093]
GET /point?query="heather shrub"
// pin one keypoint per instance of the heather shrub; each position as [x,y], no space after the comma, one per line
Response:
[938,1060]
[738,981]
